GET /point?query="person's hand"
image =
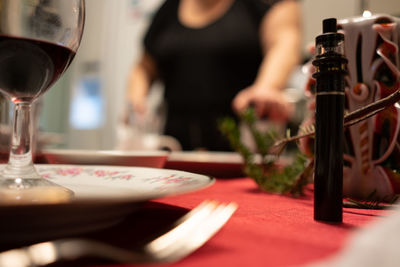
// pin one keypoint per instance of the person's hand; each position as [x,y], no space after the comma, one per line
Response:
[267,102]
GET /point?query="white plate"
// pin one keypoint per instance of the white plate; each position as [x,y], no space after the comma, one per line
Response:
[206,157]
[218,164]
[103,195]
[153,159]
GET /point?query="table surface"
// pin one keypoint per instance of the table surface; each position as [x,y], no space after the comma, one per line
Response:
[266,230]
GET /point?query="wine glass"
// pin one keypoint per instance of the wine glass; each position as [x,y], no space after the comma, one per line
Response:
[38,40]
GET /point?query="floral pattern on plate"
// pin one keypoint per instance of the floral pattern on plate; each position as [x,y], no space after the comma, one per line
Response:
[128,182]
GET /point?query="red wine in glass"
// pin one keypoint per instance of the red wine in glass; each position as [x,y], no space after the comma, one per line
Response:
[29,67]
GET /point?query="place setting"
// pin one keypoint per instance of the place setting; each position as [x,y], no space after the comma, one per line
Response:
[76,192]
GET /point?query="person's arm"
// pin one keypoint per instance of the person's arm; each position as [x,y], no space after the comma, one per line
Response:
[140,80]
[280,37]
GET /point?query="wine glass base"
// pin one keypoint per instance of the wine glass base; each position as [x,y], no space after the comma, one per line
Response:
[20,189]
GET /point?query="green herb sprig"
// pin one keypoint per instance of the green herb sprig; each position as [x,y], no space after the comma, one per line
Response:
[268,174]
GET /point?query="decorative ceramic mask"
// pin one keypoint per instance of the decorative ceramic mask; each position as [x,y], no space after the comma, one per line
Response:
[372,147]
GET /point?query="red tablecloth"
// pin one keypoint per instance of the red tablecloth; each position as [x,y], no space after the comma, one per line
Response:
[267,229]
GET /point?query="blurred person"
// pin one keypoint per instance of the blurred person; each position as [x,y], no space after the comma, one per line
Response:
[217,57]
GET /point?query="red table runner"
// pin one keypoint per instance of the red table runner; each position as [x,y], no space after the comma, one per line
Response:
[268,229]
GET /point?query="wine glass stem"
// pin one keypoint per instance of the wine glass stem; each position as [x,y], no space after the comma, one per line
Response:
[20,162]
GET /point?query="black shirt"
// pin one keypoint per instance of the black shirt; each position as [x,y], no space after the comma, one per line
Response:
[204,68]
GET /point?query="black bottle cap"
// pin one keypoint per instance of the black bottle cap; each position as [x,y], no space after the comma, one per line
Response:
[329,25]
[330,38]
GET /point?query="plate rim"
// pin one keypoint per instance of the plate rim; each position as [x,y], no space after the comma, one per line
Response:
[124,199]
[90,152]
[204,157]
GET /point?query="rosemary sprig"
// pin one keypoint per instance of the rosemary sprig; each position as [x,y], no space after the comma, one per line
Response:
[268,175]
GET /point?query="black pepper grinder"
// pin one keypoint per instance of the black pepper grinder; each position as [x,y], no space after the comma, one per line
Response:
[330,65]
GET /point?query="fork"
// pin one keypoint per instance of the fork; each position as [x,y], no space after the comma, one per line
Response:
[189,233]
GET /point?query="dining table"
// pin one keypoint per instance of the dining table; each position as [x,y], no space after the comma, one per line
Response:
[267,229]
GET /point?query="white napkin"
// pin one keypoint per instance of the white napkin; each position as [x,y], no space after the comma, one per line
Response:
[376,245]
